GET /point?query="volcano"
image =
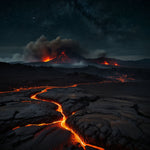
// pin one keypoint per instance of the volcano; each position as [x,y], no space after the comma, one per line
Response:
[63,57]
[60,51]
[66,51]
[69,57]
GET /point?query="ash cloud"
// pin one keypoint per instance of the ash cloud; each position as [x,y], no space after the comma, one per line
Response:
[36,51]
[41,48]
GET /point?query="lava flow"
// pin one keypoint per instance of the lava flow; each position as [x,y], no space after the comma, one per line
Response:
[105,63]
[122,78]
[112,63]
[60,58]
[62,122]
[47,58]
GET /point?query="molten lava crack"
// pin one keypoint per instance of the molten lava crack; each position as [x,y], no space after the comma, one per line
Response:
[62,122]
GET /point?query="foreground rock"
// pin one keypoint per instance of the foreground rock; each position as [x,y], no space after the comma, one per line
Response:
[111,115]
[19,109]
[113,120]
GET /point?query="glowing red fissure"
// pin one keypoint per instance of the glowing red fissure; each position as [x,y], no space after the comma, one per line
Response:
[62,122]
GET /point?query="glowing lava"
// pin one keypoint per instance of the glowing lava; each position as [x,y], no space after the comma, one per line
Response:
[60,58]
[115,64]
[47,58]
[62,122]
[122,78]
[111,63]
[105,63]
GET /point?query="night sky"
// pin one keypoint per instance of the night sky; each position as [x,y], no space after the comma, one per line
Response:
[121,28]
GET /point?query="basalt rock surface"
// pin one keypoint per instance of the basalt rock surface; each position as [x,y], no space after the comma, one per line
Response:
[115,119]
[110,121]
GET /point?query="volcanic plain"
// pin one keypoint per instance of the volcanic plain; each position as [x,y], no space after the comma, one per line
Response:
[84,108]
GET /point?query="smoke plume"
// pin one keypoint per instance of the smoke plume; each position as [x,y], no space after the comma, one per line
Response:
[36,51]
[96,53]
[15,58]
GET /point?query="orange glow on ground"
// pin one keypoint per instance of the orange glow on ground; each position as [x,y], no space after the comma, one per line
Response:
[105,63]
[73,113]
[115,64]
[42,124]
[37,87]
[23,89]
[122,78]
[16,128]
[62,122]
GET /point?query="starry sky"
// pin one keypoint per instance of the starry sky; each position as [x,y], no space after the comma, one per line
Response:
[121,28]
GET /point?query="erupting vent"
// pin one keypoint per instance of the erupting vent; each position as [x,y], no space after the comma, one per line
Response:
[112,63]
[61,51]
[47,59]
[60,58]
[65,56]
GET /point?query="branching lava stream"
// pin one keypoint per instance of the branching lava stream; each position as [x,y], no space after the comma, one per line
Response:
[62,121]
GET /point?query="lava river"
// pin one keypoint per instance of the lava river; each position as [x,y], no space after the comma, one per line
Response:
[61,122]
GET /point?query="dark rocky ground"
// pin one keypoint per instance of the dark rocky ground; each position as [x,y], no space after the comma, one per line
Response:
[19,75]
[111,114]
[115,119]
